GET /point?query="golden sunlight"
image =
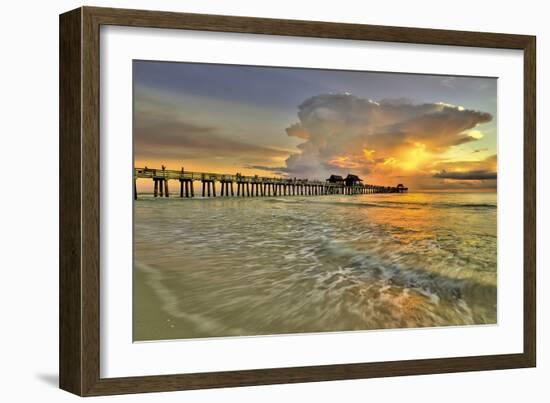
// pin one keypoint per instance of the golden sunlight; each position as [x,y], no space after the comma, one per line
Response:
[476,134]
[414,157]
[344,162]
[369,154]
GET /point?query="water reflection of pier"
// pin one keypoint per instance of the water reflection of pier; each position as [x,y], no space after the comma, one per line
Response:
[255,186]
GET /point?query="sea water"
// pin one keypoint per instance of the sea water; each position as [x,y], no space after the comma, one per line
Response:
[277,265]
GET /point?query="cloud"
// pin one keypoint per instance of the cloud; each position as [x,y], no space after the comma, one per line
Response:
[469,175]
[164,129]
[281,171]
[343,133]
[385,141]
[477,174]
[486,164]
[177,138]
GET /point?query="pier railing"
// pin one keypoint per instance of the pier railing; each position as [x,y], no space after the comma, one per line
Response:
[251,186]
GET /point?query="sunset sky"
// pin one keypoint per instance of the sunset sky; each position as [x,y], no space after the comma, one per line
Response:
[427,132]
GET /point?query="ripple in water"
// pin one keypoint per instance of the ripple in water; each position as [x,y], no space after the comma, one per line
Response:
[234,267]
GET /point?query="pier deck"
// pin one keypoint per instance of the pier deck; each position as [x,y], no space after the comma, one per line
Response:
[250,186]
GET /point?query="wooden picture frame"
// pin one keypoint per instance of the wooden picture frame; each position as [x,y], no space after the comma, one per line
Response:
[79,346]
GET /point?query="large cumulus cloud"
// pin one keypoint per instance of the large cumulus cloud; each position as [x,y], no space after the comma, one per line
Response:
[343,133]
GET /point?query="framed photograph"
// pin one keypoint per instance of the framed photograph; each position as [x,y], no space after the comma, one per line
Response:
[249,201]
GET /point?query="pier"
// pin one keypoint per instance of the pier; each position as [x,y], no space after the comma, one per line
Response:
[253,186]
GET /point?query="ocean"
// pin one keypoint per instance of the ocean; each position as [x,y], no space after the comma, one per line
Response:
[283,265]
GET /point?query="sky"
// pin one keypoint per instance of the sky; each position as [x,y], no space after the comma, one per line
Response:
[429,132]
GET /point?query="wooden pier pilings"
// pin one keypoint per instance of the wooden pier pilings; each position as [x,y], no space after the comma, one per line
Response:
[251,186]
[160,187]
[186,188]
